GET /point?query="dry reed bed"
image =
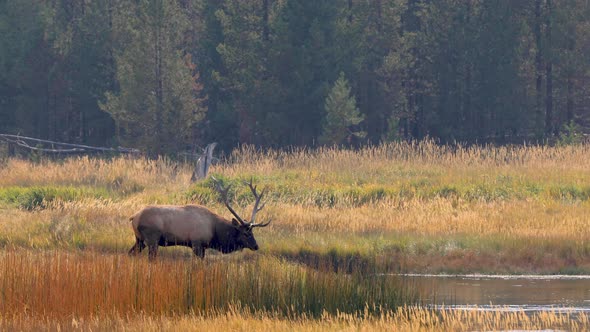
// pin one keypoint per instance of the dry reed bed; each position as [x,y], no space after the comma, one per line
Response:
[58,285]
[403,319]
[124,174]
[104,223]
[417,156]
[446,217]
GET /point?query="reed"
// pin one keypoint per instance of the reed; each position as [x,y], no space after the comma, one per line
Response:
[403,319]
[123,175]
[56,284]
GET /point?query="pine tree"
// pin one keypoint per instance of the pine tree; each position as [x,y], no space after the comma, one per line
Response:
[342,115]
[244,77]
[158,102]
[306,59]
[82,70]
[372,31]
[23,67]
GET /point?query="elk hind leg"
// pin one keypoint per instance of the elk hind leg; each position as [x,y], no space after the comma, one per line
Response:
[137,247]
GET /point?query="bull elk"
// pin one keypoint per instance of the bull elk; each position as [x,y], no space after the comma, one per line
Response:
[195,226]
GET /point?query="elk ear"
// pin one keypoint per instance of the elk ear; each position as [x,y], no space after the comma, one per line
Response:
[235,222]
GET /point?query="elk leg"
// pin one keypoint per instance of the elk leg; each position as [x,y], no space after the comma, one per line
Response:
[137,247]
[152,251]
[199,251]
[141,245]
[152,239]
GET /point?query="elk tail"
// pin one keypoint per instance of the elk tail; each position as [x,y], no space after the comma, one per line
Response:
[134,226]
[133,216]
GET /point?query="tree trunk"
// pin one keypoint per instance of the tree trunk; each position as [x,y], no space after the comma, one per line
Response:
[549,100]
[570,75]
[538,66]
[549,73]
[570,99]
[379,15]
[159,89]
[265,29]
[468,121]
[82,126]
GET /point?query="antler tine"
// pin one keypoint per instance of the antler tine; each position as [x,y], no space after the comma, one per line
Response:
[256,208]
[261,224]
[223,192]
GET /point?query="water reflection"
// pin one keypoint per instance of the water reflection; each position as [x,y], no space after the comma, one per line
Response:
[505,293]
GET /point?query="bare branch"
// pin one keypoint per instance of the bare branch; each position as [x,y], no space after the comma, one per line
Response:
[26,142]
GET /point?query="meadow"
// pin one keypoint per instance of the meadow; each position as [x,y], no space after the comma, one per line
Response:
[342,219]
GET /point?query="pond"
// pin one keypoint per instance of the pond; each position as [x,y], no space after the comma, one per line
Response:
[532,293]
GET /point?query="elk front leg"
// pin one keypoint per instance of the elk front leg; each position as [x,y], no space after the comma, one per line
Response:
[152,251]
[199,251]
[152,238]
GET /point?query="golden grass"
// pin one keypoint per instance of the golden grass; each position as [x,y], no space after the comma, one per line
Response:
[439,216]
[387,162]
[403,319]
[530,219]
[552,234]
[126,175]
[56,284]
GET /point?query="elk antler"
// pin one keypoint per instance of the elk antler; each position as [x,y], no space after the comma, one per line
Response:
[223,192]
[256,208]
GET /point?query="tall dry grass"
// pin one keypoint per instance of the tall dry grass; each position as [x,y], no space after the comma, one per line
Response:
[57,285]
[403,319]
[420,155]
[389,161]
[124,175]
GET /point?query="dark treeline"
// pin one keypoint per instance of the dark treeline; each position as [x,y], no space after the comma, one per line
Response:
[169,75]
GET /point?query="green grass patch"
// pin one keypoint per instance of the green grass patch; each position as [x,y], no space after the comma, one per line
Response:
[329,195]
[570,192]
[30,198]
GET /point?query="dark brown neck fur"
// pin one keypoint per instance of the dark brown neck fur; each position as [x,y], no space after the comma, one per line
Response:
[225,238]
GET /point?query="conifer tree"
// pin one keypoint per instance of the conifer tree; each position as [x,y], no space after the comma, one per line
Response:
[342,115]
[158,102]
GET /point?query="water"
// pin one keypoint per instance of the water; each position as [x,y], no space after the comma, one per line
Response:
[531,293]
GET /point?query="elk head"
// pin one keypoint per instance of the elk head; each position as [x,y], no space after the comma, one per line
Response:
[245,237]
